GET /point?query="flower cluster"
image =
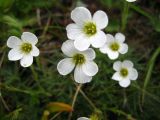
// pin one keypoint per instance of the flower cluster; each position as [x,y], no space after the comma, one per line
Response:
[86,32]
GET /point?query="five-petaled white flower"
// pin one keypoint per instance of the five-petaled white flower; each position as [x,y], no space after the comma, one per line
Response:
[86,30]
[23,49]
[83,118]
[124,72]
[130,0]
[114,46]
[82,61]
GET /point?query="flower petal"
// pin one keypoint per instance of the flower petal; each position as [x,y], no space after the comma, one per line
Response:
[104,49]
[98,40]
[130,0]
[29,37]
[116,76]
[89,54]
[83,118]
[26,61]
[35,51]
[133,74]
[73,31]
[82,44]
[13,42]
[80,77]
[120,37]
[112,55]
[68,48]
[15,54]
[110,38]
[80,15]
[123,48]
[101,19]
[117,65]
[127,64]
[124,83]
[90,68]
[65,66]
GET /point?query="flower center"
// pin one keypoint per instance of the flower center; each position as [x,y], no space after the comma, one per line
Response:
[114,46]
[90,28]
[26,48]
[124,72]
[78,59]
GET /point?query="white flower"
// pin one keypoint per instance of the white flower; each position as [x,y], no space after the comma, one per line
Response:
[130,0]
[86,30]
[23,49]
[83,118]
[124,72]
[114,46]
[82,61]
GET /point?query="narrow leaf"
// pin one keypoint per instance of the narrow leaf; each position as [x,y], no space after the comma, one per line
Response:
[59,107]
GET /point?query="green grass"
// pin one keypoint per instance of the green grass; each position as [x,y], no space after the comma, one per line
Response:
[25,92]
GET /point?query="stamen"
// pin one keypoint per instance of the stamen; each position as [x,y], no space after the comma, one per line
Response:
[78,59]
[26,48]
[114,46]
[124,72]
[90,28]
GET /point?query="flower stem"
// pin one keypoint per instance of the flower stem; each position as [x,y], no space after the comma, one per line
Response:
[124,15]
[89,101]
[35,75]
[74,99]
[55,116]
[36,79]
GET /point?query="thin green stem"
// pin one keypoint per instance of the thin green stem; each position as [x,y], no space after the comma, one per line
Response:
[1,97]
[128,116]
[35,75]
[3,86]
[124,15]
[74,99]
[149,72]
[55,116]
[89,101]
[146,92]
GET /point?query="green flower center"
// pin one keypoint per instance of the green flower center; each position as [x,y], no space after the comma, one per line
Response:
[26,48]
[114,46]
[90,28]
[124,72]
[78,59]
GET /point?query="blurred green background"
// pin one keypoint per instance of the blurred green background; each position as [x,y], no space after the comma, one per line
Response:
[25,92]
